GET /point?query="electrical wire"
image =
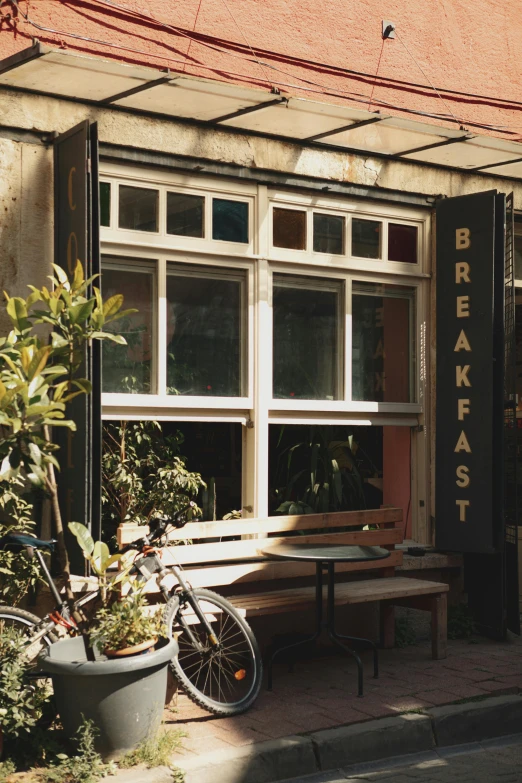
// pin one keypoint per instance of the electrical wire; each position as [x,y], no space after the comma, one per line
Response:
[448,108]
[324,89]
[193,30]
[201,38]
[254,55]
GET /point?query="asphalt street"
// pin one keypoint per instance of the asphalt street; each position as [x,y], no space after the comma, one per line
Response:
[488,762]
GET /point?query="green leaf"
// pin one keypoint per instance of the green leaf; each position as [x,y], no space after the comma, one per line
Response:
[60,274]
[115,338]
[78,278]
[16,309]
[36,454]
[80,313]
[112,305]
[38,362]
[83,537]
[100,557]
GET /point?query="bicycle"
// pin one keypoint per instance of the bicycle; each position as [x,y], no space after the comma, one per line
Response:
[218,665]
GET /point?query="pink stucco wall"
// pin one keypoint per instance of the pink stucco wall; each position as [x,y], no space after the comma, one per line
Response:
[308,47]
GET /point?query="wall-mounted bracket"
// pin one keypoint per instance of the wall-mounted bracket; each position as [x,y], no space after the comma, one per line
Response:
[388,29]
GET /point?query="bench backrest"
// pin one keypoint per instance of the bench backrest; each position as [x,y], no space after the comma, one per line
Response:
[211,561]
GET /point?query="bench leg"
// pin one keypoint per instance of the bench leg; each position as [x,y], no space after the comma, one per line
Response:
[439,626]
[387,625]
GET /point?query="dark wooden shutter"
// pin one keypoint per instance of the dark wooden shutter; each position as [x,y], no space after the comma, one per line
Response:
[76,215]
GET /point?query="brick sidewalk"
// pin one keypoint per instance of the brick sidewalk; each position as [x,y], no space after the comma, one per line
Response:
[321,693]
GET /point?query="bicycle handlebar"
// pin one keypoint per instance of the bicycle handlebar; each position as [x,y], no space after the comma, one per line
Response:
[158,526]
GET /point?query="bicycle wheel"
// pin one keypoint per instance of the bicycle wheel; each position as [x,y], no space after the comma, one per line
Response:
[25,623]
[223,674]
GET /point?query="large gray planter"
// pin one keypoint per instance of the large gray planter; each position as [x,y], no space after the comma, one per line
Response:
[124,697]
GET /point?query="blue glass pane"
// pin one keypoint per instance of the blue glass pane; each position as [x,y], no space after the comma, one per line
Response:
[229,220]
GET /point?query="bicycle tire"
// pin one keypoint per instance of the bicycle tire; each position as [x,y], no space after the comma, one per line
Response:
[25,620]
[229,662]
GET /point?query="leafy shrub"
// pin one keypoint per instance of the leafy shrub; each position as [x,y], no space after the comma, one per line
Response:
[18,572]
[21,701]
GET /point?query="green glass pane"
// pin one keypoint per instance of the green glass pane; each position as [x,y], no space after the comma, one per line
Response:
[185,214]
[127,368]
[229,220]
[328,234]
[203,336]
[366,238]
[138,208]
[305,342]
[105,203]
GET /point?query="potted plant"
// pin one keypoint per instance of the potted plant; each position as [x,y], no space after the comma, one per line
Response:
[125,628]
[103,675]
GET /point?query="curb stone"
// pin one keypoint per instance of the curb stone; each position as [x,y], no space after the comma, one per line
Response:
[263,762]
[457,724]
[376,739]
[330,749]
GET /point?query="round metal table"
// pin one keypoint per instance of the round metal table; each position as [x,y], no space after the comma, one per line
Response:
[325,556]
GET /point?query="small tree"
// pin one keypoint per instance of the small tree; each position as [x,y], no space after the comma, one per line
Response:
[39,376]
[143,473]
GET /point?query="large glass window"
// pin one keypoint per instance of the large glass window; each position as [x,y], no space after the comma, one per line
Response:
[382,343]
[306,338]
[205,332]
[128,368]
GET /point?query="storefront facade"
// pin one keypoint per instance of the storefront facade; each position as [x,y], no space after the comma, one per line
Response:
[280,279]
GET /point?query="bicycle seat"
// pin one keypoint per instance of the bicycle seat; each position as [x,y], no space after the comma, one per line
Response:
[24,539]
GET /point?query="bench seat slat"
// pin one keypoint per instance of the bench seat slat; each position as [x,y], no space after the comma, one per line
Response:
[364,591]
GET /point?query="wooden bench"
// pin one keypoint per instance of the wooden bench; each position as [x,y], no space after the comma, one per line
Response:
[257,586]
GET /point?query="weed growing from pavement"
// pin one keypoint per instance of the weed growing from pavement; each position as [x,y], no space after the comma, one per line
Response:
[155,752]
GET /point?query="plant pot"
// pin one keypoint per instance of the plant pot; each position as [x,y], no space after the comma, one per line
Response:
[135,649]
[124,697]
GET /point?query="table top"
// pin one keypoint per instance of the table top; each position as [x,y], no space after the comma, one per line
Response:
[322,553]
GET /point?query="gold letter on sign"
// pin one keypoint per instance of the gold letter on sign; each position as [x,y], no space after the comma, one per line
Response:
[462,375]
[462,505]
[72,252]
[462,443]
[463,408]
[462,272]
[462,343]
[462,306]
[462,238]
[462,476]
[72,205]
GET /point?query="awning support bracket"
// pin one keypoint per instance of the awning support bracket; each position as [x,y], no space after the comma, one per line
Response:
[444,143]
[492,165]
[249,110]
[134,90]
[352,126]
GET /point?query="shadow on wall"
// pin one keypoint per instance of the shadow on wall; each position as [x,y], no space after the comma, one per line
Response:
[26,217]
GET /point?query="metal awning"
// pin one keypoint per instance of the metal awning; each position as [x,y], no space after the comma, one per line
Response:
[46,71]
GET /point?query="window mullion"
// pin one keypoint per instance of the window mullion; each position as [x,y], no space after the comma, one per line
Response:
[161,328]
[348,340]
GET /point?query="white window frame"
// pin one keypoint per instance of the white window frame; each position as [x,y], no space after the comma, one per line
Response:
[259,261]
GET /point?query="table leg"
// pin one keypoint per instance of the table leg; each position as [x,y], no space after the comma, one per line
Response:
[339,638]
[318,624]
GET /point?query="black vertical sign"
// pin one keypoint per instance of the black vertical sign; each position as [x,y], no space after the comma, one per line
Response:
[466,504]
[75,205]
